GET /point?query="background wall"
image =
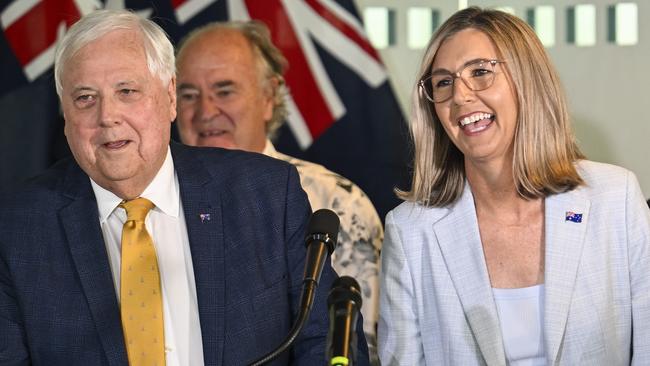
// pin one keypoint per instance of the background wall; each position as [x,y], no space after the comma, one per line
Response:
[607,84]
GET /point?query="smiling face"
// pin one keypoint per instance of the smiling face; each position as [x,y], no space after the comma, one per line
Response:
[117,114]
[221,98]
[480,123]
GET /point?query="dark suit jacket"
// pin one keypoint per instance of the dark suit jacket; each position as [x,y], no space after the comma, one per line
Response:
[57,299]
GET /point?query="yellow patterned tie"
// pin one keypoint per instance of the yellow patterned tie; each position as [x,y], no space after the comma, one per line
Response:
[140,294]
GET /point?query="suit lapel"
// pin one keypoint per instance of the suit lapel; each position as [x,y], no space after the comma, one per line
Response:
[202,206]
[460,244]
[81,225]
[564,243]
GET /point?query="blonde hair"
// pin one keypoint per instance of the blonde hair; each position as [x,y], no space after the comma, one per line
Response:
[270,61]
[544,145]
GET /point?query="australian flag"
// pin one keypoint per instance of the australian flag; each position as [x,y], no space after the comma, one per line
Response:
[342,111]
[573,217]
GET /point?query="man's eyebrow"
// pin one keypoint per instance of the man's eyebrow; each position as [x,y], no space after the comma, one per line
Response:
[215,85]
[222,83]
[121,84]
[185,86]
[81,88]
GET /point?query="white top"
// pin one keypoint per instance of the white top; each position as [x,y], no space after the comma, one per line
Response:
[166,225]
[521,318]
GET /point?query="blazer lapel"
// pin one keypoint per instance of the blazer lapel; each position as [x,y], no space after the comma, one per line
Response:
[202,206]
[564,243]
[81,225]
[460,244]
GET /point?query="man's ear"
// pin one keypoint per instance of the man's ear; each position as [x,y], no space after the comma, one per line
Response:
[171,92]
[271,93]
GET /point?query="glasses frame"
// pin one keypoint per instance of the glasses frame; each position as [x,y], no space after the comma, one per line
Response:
[457,75]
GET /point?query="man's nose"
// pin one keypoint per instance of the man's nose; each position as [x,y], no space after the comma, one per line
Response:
[209,108]
[108,112]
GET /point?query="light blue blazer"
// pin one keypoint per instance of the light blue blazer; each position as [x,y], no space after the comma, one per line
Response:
[436,303]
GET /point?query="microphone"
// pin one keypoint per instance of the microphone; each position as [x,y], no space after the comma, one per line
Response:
[322,232]
[344,304]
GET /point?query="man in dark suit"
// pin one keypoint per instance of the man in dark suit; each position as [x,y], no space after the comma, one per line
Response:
[225,228]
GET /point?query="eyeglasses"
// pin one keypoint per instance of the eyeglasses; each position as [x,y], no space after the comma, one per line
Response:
[477,75]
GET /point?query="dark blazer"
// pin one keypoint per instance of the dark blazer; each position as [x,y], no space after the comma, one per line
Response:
[57,299]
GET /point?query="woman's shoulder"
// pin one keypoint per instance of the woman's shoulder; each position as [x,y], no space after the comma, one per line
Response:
[602,175]
[606,183]
[594,169]
[412,213]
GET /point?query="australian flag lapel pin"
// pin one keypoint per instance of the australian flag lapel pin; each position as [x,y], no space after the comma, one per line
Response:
[573,217]
[204,217]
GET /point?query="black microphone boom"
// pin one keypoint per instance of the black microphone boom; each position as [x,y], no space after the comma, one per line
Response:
[322,232]
[344,304]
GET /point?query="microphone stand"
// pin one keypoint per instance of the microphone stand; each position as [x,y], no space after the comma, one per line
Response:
[313,269]
[306,301]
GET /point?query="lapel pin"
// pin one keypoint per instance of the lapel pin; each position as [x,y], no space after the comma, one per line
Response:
[573,217]
[204,217]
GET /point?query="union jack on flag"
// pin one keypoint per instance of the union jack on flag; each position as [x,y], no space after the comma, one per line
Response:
[573,217]
[342,111]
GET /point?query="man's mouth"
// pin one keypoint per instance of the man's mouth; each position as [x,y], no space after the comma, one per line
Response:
[116,144]
[211,133]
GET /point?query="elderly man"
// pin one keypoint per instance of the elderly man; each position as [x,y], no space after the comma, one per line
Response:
[231,94]
[137,252]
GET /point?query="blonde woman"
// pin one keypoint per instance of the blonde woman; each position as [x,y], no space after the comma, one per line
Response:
[510,247]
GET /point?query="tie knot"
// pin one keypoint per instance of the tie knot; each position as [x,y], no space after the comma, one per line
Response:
[137,209]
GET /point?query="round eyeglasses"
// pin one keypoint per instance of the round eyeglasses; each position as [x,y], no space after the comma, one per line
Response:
[477,75]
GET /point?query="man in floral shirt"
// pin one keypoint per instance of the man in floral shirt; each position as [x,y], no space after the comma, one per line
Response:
[231,94]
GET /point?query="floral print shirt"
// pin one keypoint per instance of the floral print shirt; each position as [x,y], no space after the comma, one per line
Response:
[360,234]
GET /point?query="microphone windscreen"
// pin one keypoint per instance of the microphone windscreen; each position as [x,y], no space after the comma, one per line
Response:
[344,289]
[324,221]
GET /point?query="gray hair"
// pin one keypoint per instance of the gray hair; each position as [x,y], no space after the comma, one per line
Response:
[270,61]
[157,47]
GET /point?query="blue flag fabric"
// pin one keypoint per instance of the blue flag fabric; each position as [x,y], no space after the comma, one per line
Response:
[343,113]
[573,217]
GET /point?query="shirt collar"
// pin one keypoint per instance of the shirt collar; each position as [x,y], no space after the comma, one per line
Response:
[269,149]
[162,191]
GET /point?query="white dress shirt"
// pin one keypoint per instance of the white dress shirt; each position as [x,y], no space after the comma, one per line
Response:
[166,225]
